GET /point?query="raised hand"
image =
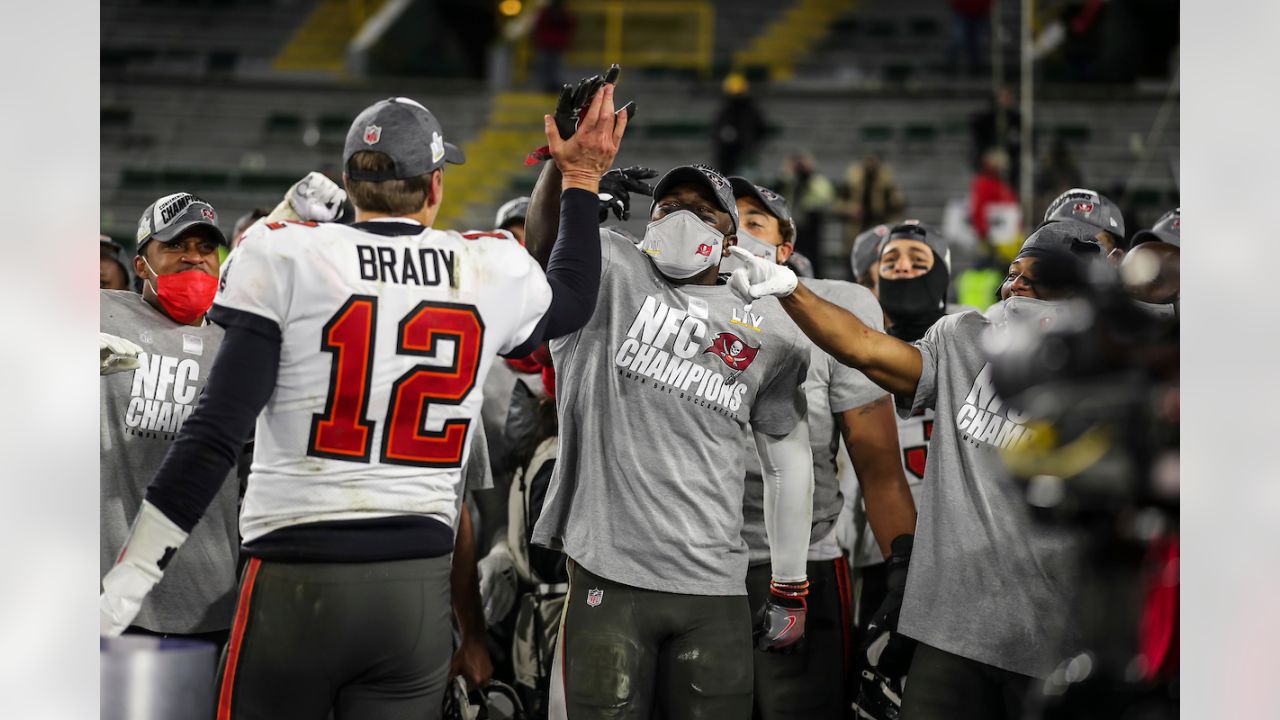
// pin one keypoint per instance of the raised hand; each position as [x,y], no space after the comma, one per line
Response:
[585,156]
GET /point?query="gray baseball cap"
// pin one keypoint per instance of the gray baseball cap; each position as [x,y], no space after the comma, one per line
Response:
[173,215]
[1167,229]
[1087,206]
[866,249]
[772,201]
[406,132]
[514,210]
[916,230]
[720,190]
[1062,236]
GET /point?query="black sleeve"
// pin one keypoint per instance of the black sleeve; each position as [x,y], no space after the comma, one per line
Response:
[241,381]
[573,272]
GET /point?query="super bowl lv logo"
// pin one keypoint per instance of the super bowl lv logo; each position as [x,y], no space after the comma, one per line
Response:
[663,343]
[163,394]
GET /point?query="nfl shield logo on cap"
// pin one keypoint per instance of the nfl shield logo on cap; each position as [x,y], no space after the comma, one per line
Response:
[372,134]
[595,597]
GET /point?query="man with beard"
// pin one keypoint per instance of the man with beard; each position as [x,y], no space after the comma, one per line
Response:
[653,396]
[987,592]
[843,404]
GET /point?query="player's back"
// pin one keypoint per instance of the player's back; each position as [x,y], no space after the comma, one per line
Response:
[387,332]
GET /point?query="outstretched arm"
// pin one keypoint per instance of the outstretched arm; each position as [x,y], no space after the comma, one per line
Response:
[889,362]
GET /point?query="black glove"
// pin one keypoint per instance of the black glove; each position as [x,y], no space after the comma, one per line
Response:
[780,623]
[618,184]
[886,651]
[574,100]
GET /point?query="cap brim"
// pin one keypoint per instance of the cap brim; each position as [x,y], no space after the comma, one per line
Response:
[453,154]
[178,229]
[1145,236]
[743,187]
[688,175]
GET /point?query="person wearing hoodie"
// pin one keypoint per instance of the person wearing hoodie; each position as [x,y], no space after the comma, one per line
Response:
[987,590]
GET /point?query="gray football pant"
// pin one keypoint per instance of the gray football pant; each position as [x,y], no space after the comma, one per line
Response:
[364,640]
[626,653]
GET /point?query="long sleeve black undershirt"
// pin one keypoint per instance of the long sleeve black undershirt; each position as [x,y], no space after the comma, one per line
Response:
[573,271]
[243,375]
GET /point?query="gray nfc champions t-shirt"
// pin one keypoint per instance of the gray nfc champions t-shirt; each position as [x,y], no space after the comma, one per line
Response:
[830,388]
[141,412]
[653,396]
[986,581]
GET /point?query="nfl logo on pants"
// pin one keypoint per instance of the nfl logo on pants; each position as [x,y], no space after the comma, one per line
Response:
[595,597]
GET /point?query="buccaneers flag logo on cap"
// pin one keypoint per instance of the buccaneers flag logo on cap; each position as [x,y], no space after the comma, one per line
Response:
[733,350]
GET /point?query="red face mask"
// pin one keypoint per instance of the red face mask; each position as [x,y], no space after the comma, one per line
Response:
[185,296]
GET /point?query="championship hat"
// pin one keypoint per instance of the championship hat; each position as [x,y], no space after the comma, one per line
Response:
[173,215]
[404,131]
[1167,229]
[1089,207]
[772,201]
[514,210]
[716,184]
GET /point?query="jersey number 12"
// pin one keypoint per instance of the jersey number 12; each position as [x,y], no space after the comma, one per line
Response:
[342,432]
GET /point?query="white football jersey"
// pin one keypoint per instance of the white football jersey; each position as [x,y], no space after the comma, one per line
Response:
[388,331]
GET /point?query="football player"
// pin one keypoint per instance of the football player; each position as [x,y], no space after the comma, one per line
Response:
[646,500]
[842,404]
[988,589]
[162,335]
[358,349]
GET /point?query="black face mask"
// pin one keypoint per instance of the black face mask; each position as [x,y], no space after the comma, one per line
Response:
[914,305]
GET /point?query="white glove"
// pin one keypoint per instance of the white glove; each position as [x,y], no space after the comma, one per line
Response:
[115,354]
[316,198]
[151,545]
[760,277]
[497,583]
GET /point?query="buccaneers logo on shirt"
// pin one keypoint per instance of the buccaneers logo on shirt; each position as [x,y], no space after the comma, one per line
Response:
[733,350]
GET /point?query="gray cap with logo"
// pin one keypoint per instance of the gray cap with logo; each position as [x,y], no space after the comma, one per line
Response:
[718,187]
[406,132]
[1167,229]
[1087,206]
[772,201]
[512,211]
[173,215]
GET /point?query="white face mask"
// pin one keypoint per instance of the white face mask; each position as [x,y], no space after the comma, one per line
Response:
[682,245]
[753,245]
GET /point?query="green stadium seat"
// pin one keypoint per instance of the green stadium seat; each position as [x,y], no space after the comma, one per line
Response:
[920,133]
[678,130]
[283,124]
[877,133]
[136,179]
